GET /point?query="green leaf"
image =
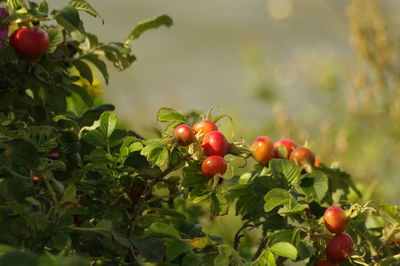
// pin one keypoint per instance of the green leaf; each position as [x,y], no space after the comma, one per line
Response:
[56,37]
[84,70]
[219,204]
[24,153]
[297,208]
[68,18]
[119,54]
[200,198]
[176,247]
[7,54]
[151,249]
[164,229]
[5,249]
[71,15]
[284,249]
[275,198]
[157,155]
[266,258]
[315,185]
[153,23]
[96,138]
[18,258]
[69,193]
[56,99]
[225,253]
[82,92]
[136,146]
[162,160]
[107,123]
[285,170]
[105,225]
[84,6]
[147,150]
[170,115]
[390,213]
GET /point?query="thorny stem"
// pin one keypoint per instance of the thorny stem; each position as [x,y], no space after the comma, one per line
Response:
[238,236]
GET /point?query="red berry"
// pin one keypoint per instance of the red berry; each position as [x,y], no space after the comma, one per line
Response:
[283,148]
[325,262]
[31,43]
[317,162]
[335,219]
[340,247]
[215,143]
[302,156]
[35,179]
[262,149]
[184,134]
[213,165]
[204,126]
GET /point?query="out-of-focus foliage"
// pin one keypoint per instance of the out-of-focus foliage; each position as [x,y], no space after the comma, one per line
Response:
[352,111]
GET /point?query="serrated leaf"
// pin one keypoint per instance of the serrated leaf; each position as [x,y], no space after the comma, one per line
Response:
[275,198]
[146,151]
[84,6]
[164,229]
[153,23]
[315,185]
[219,204]
[107,123]
[284,249]
[162,159]
[136,146]
[285,170]
[170,115]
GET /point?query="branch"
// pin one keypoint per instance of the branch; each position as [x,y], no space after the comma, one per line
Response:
[260,249]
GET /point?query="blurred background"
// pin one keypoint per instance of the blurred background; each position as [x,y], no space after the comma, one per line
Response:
[325,72]
[317,71]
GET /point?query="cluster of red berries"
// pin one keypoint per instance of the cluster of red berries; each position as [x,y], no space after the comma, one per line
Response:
[264,149]
[341,245]
[214,145]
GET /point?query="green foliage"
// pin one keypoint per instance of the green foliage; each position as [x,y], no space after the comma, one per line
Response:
[106,195]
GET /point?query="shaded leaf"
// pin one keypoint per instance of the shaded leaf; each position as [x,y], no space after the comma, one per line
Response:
[275,198]
[284,249]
